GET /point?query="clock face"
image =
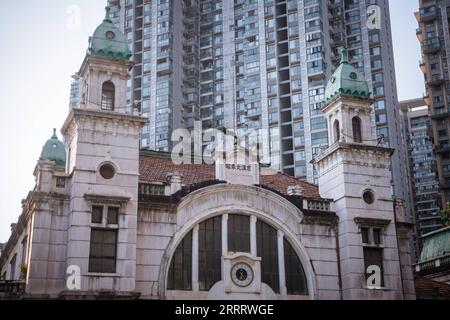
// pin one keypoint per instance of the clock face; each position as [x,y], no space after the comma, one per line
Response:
[110,35]
[242,274]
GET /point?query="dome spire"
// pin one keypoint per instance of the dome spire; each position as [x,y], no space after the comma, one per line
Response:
[108,41]
[346,80]
[54,150]
[107,14]
[344,55]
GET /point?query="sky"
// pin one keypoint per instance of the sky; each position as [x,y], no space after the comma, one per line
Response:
[44,43]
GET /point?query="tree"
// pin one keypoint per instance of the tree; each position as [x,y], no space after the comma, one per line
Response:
[445,213]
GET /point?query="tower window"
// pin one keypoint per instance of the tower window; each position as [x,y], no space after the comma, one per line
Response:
[368,197]
[337,133]
[356,124]
[107,171]
[108,93]
[102,254]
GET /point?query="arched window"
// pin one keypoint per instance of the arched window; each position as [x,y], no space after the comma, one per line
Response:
[356,124]
[238,240]
[295,275]
[337,131]
[108,93]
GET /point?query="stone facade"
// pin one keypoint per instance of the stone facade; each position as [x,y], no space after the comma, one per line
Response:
[116,222]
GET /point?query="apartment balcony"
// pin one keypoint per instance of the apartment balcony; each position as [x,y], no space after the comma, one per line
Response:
[436,80]
[427,100]
[253,113]
[427,14]
[431,45]
[419,34]
[164,68]
[443,148]
[423,66]
[439,114]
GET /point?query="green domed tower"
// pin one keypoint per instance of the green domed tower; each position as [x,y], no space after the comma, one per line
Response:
[54,150]
[109,41]
[346,80]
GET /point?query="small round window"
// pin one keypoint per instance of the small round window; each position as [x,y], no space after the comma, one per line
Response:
[107,171]
[368,197]
[353,75]
[110,35]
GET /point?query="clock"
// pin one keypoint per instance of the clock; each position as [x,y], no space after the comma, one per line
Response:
[242,274]
[110,35]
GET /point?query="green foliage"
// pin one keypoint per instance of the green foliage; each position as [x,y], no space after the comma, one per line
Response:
[445,213]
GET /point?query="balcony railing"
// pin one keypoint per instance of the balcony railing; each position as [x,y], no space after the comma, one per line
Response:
[436,80]
[428,14]
[431,45]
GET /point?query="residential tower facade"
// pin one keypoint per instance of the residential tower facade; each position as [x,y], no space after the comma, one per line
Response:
[259,66]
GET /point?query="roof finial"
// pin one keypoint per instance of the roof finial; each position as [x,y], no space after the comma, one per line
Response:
[344,55]
[107,13]
[54,134]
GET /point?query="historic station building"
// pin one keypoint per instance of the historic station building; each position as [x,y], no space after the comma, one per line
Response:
[106,220]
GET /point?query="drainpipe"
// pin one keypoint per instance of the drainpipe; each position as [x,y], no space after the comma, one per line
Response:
[338,255]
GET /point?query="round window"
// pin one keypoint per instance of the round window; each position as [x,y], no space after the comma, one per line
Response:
[353,75]
[107,171]
[368,197]
[110,35]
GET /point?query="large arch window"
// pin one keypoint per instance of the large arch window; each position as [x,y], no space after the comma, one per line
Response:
[356,125]
[209,245]
[108,93]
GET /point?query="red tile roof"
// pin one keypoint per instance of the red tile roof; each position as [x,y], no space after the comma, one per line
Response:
[155,167]
[430,289]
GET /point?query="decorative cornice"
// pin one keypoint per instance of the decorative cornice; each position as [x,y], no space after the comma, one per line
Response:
[97,198]
[344,146]
[372,222]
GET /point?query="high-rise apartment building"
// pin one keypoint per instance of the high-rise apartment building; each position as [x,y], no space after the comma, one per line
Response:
[434,35]
[423,179]
[261,65]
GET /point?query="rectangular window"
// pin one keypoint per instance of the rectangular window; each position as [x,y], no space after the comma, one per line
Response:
[209,253]
[180,272]
[238,233]
[365,235]
[113,215]
[12,266]
[266,240]
[97,214]
[103,251]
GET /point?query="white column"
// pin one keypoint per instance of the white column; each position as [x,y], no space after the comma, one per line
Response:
[195,286]
[253,249]
[281,268]
[224,245]
[224,235]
